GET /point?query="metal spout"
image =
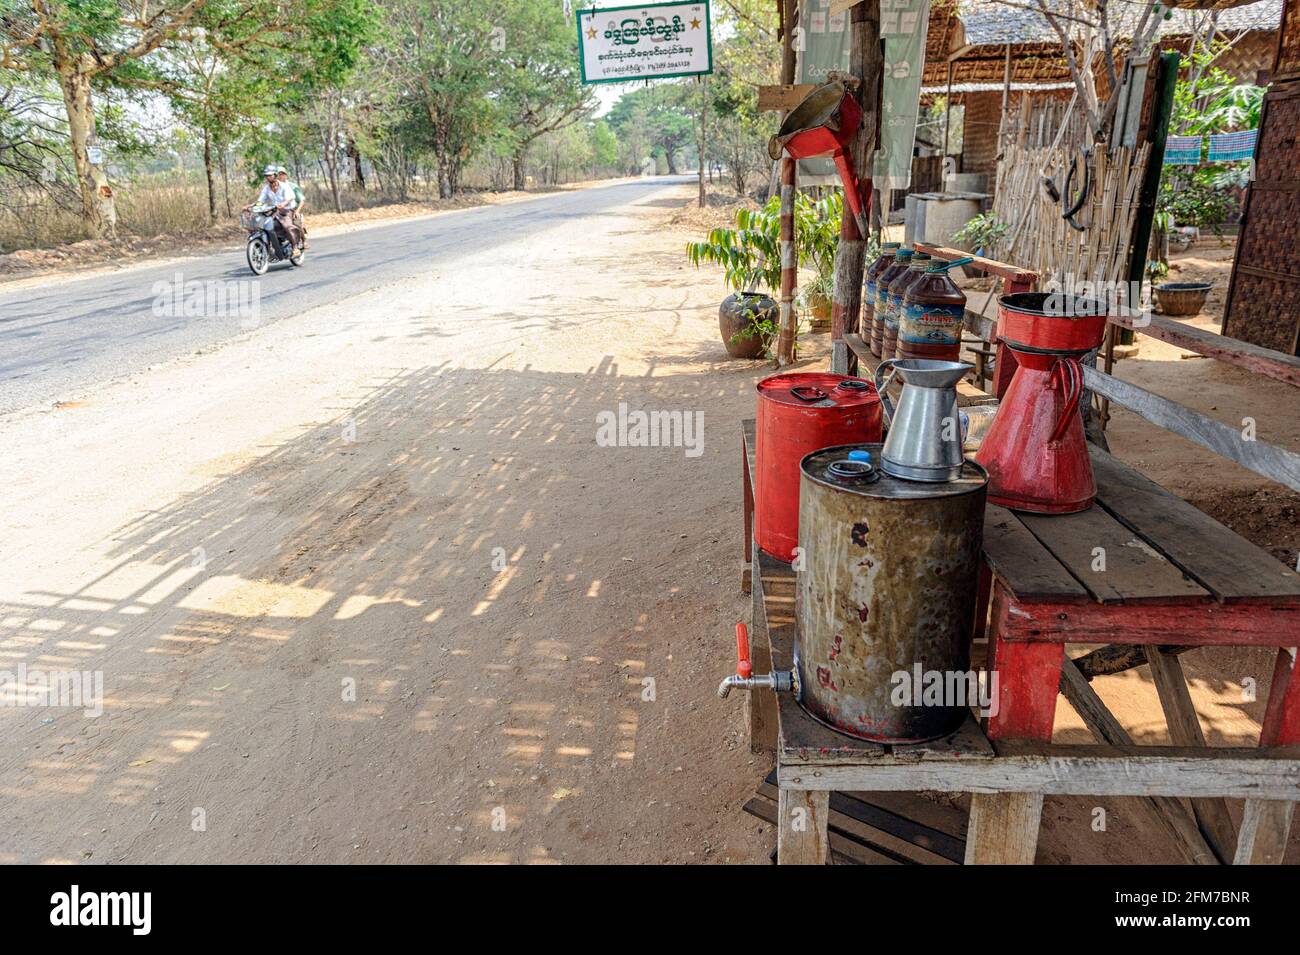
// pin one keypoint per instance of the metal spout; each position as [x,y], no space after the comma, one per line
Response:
[782,681]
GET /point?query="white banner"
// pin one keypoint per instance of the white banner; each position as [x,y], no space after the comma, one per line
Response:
[618,44]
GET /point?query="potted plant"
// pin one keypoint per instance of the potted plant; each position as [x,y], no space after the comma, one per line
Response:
[750,257]
[980,236]
[817,237]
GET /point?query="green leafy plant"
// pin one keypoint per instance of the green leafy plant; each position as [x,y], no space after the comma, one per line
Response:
[983,232]
[750,253]
[1207,100]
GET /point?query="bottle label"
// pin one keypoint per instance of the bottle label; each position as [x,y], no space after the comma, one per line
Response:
[931,324]
[895,310]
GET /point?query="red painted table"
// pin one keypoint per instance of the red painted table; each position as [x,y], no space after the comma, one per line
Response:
[1144,568]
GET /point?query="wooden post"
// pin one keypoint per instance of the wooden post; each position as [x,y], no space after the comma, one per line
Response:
[866,63]
[789,265]
[801,837]
[947,113]
[704,125]
[1003,828]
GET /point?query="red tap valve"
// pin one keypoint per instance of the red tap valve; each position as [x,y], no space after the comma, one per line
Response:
[743,666]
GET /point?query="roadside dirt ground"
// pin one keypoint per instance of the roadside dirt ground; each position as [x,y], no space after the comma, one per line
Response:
[362,585]
[402,496]
[91,256]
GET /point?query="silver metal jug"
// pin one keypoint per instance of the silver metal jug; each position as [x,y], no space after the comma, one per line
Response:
[925,435]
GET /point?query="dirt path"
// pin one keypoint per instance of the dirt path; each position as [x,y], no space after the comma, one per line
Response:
[408,501]
[234,537]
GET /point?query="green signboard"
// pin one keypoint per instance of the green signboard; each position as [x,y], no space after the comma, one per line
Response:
[647,41]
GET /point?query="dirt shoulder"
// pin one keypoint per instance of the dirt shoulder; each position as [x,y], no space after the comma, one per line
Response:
[362,586]
[91,256]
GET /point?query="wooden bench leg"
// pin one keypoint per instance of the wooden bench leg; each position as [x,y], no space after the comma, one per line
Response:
[1003,828]
[747,555]
[760,705]
[1028,676]
[1265,823]
[1265,827]
[802,816]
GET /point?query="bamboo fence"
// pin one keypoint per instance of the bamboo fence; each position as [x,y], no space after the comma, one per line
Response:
[1042,240]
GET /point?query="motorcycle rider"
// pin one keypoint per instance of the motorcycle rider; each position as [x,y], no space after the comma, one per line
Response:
[299,201]
[280,199]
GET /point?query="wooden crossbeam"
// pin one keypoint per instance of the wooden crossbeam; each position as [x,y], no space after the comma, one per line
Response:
[1274,463]
[1166,811]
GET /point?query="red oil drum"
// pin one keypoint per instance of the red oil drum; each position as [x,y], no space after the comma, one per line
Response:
[800,413]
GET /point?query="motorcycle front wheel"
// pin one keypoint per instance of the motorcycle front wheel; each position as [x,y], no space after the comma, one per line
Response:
[259,255]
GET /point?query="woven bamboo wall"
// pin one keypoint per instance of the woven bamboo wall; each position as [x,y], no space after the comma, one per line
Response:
[1042,240]
[1264,301]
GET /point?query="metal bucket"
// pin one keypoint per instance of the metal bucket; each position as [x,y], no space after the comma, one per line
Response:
[888,583]
[800,412]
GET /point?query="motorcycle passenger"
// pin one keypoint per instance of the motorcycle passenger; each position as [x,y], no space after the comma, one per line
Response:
[299,201]
[279,198]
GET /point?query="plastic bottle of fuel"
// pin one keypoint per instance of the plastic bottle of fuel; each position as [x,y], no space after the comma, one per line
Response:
[870,327]
[902,259]
[920,262]
[930,323]
[894,304]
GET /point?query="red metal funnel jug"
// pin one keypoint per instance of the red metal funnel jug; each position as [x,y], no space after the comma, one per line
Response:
[822,125]
[1035,452]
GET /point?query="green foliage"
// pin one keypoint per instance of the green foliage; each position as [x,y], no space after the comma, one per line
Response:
[984,231]
[1207,100]
[750,253]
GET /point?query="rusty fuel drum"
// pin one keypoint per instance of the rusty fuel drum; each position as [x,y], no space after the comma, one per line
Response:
[888,582]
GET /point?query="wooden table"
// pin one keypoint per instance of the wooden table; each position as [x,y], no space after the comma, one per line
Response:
[1173,578]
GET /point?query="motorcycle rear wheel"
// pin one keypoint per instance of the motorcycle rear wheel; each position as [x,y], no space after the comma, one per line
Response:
[296,258]
[259,256]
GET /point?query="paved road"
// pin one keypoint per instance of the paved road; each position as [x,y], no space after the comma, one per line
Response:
[59,338]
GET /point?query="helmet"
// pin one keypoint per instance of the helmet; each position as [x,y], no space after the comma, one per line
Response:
[281,169]
[270,170]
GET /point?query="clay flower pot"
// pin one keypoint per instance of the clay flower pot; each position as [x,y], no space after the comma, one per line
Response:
[819,312]
[736,317]
[1182,298]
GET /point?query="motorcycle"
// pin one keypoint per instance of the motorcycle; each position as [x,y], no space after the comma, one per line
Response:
[265,244]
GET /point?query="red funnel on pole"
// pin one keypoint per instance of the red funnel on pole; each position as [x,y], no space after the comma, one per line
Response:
[822,125]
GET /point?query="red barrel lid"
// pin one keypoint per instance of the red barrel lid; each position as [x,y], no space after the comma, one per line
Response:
[817,389]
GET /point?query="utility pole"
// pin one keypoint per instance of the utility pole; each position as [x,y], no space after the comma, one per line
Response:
[866,64]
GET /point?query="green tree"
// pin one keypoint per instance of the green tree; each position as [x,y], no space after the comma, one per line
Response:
[448,53]
[541,89]
[662,114]
[90,45]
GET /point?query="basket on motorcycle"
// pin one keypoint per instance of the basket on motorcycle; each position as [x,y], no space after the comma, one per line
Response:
[247,221]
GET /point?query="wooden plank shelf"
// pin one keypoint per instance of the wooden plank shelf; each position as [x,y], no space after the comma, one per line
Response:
[1160,589]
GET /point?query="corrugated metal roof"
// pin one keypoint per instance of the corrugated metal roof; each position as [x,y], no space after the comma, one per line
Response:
[989,23]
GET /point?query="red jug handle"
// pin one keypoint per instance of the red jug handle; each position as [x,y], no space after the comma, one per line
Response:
[1072,386]
[808,393]
[743,667]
